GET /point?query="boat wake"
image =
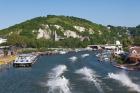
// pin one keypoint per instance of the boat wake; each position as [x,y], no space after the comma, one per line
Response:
[57,71]
[90,76]
[84,55]
[57,83]
[125,80]
[73,58]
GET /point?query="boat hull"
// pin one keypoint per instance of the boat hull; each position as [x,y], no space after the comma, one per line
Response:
[22,64]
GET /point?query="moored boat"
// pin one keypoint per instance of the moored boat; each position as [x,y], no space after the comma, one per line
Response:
[62,52]
[25,60]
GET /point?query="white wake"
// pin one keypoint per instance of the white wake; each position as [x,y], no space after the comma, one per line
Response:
[125,80]
[57,83]
[84,55]
[57,71]
[90,76]
[73,58]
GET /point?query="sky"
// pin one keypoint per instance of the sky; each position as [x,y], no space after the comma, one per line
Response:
[106,12]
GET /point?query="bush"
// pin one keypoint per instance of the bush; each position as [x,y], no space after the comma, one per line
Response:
[119,60]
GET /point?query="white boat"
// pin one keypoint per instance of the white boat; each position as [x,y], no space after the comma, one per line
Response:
[88,48]
[119,52]
[97,55]
[25,60]
[77,50]
[106,59]
[62,52]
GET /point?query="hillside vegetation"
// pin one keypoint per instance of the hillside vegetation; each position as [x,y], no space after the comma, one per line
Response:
[65,31]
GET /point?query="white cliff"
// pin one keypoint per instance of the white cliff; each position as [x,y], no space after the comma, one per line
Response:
[79,28]
[43,34]
[91,31]
[100,33]
[57,26]
[69,33]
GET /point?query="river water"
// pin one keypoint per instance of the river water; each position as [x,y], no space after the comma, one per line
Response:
[69,73]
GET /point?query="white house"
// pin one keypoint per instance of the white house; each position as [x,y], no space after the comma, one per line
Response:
[2,40]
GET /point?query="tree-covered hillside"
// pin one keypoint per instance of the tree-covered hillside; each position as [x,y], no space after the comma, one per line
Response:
[66,21]
[135,34]
[76,32]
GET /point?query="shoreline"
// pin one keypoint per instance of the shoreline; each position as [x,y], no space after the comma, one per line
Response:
[6,62]
[125,66]
[7,59]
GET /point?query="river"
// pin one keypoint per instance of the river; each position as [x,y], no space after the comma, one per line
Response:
[75,72]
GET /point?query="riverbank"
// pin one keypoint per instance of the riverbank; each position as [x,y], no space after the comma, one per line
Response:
[122,63]
[7,59]
[129,67]
[118,60]
[51,51]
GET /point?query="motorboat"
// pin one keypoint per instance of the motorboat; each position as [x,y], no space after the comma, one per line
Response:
[25,60]
[62,52]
